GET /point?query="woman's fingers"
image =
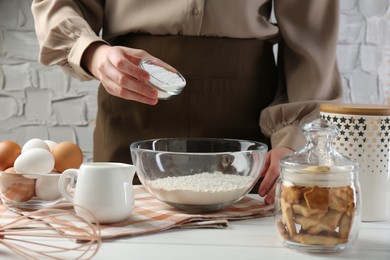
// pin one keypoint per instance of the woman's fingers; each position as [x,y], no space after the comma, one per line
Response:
[126,80]
[121,85]
[117,69]
[271,173]
[115,90]
[270,198]
[121,59]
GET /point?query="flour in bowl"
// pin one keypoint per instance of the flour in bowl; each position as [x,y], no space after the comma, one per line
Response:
[201,189]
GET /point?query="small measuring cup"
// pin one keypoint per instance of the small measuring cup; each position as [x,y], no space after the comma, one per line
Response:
[166,79]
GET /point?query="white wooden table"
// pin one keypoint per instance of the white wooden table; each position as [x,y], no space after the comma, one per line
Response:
[243,240]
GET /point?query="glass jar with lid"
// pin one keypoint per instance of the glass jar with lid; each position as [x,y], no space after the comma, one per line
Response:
[317,201]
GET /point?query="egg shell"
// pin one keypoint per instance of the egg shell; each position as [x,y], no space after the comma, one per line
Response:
[9,151]
[35,143]
[15,187]
[51,144]
[46,188]
[34,161]
[67,155]
[10,170]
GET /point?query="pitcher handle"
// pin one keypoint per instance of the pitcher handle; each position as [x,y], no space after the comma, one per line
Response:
[63,183]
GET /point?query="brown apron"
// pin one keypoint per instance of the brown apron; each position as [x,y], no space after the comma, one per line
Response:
[229,82]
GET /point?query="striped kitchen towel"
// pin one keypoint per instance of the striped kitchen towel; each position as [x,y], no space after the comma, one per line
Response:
[151,216]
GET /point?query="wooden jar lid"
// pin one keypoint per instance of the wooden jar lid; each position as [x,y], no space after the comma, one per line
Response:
[356,109]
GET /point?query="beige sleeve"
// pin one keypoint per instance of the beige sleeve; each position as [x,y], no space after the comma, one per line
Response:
[65,29]
[308,68]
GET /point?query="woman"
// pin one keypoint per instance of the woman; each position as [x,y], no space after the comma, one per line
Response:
[224,49]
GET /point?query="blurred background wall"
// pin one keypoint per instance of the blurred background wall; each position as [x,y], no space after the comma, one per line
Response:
[42,102]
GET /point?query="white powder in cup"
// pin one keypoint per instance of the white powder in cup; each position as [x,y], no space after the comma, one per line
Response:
[167,82]
[201,189]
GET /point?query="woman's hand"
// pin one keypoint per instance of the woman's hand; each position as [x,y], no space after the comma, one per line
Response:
[271,173]
[117,69]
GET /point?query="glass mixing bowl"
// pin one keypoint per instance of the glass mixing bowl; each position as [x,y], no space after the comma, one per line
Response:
[198,174]
[29,191]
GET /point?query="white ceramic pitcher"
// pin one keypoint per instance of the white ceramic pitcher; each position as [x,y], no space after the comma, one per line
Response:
[105,189]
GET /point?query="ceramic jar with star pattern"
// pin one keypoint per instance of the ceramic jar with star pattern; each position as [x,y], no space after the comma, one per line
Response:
[364,136]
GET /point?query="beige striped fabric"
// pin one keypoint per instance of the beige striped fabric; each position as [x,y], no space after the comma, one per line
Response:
[152,216]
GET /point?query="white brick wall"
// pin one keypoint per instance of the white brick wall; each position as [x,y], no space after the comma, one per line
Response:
[38,101]
[364,50]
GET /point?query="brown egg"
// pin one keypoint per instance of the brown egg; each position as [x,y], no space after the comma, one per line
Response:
[9,151]
[15,187]
[67,155]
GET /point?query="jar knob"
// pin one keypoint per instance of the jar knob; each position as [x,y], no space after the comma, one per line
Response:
[320,127]
[320,134]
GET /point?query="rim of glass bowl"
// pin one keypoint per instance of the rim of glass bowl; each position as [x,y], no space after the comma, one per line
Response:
[32,174]
[135,146]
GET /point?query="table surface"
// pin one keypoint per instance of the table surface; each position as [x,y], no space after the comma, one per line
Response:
[243,239]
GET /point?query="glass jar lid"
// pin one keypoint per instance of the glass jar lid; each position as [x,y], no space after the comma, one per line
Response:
[318,163]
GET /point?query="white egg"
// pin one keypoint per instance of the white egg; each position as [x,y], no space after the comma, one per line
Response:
[46,188]
[50,143]
[35,143]
[34,161]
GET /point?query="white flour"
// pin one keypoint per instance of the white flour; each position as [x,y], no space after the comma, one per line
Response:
[201,189]
[164,79]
